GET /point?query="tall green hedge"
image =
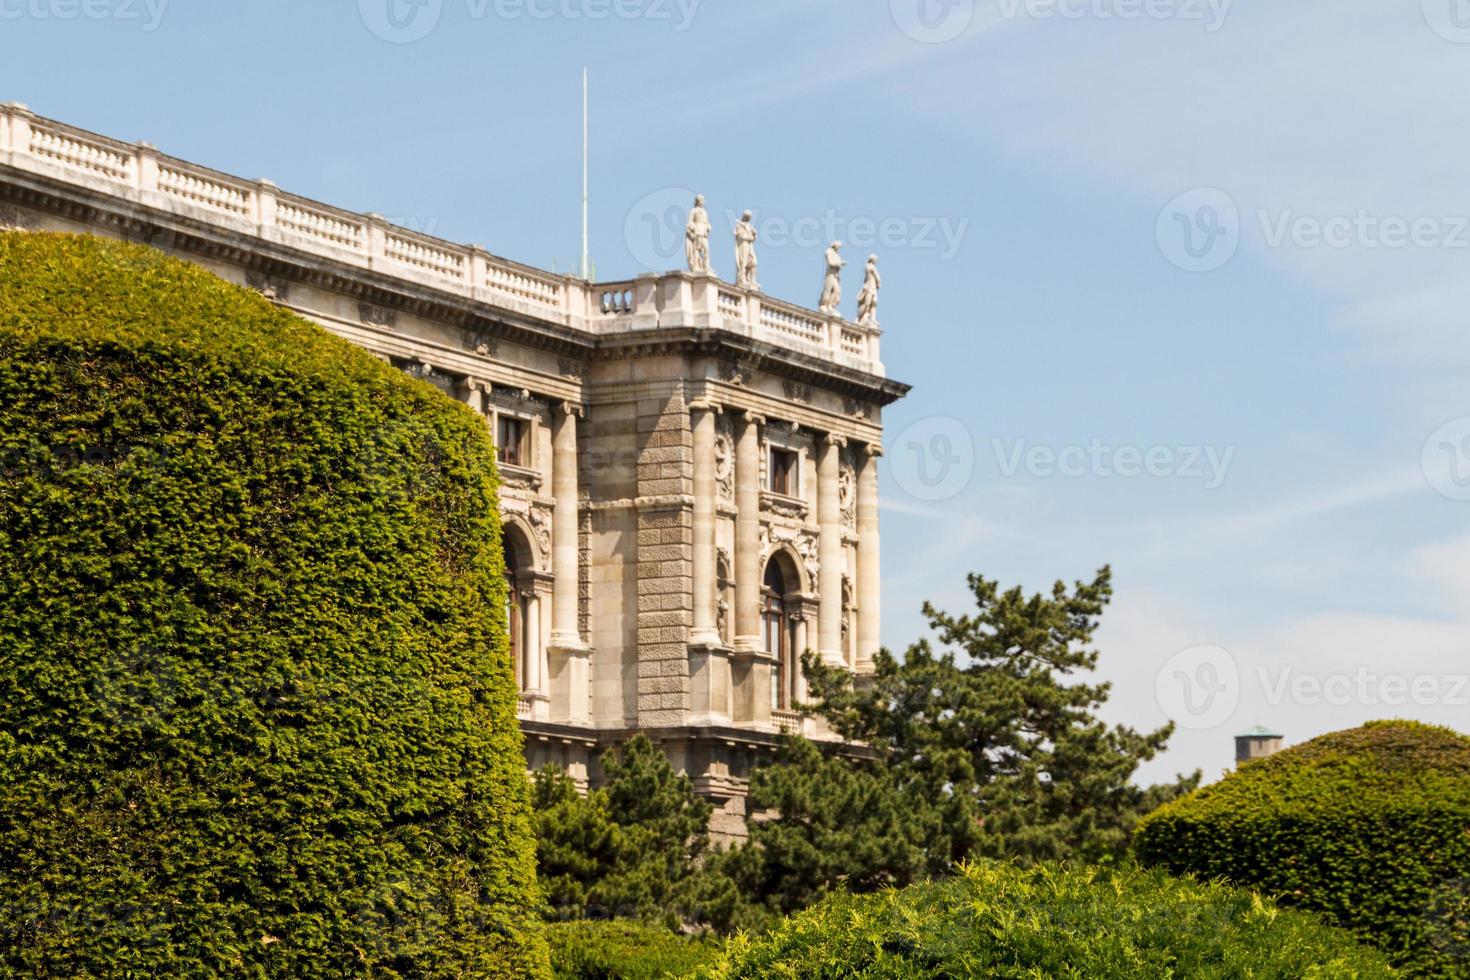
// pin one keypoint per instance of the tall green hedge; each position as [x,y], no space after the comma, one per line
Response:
[257,716]
[996,920]
[1369,827]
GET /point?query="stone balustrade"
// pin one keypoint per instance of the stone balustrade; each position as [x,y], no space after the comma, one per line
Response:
[140,174]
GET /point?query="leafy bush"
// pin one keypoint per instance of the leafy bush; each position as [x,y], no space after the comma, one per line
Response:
[624,951]
[257,715]
[998,920]
[1369,827]
[636,848]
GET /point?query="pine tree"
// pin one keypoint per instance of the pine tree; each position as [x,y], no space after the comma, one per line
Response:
[636,848]
[996,739]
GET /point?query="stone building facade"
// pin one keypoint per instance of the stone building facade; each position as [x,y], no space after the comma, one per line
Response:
[690,486]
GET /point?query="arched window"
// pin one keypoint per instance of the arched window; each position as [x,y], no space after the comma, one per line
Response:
[778,629]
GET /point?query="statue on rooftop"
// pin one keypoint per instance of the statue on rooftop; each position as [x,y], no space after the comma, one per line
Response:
[745,262]
[832,287]
[868,297]
[696,238]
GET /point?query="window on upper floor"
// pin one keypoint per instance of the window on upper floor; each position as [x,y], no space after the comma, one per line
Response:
[785,472]
[511,446]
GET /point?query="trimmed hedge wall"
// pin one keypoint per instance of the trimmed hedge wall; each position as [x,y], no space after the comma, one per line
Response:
[622,950]
[257,715]
[1101,924]
[1368,827]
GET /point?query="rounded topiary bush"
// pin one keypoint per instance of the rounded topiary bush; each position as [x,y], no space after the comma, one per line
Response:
[257,716]
[996,920]
[1369,827]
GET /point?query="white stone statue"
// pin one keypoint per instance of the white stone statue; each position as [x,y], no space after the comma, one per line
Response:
[868,298]
[696,238]
[745,262]
[832,288]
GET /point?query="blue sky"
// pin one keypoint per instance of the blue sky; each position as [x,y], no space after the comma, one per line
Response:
[1182,285]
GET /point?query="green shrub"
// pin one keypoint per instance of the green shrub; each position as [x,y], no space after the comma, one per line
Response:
[1368,827]
[624,951]
[998,920]
[257,715]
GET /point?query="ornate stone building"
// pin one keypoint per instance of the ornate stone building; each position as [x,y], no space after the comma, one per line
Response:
[690,468]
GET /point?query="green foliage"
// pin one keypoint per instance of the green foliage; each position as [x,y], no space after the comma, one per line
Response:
[1368,827]
[257,716]
[625,951]
[842,824]
[997,920]
[990,749]
[636,848]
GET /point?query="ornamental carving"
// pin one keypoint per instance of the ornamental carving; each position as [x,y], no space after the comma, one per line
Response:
[734,374]
[541,525]
[804,544]
[847,488]
[797,392]
[17,220]
[378,316]
[724,459]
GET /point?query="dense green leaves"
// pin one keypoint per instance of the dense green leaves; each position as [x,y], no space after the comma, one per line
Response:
[992,748]
[625,951]
[836,823]
[996,920]
[257,715]
[636,848]
[1368,827]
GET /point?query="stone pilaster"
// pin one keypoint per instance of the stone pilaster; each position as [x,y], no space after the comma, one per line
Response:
[747,532]
[750,665]
[568,656]
[869,569]
[706,600]
[829,550]
[665,561]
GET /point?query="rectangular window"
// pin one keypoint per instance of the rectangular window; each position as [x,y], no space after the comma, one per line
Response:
[785,470]
[510,441]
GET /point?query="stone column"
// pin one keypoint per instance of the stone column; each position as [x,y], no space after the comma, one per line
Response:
[531,647]
[564,632]
[706,601]
[747,533]
[829,550]
[869,572]
[751,665]
[568,657]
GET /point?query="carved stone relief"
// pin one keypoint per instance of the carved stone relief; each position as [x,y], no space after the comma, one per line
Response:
[724,459]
